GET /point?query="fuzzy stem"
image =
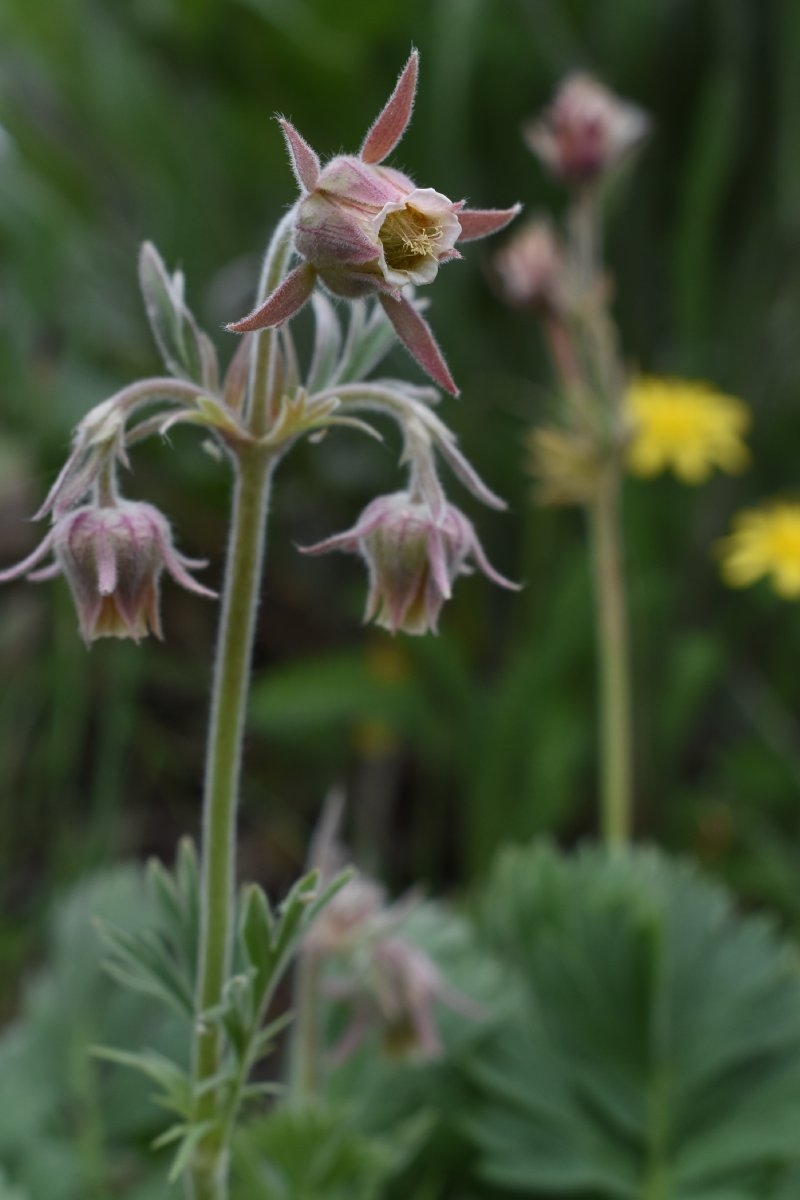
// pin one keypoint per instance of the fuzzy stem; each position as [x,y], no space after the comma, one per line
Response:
[614,669]
[223,766]
[207,1177]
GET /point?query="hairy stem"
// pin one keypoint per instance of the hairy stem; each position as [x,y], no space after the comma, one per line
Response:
[207,1177]
[613,659]
[223,766]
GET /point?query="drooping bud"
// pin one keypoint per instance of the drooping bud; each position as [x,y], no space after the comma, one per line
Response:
[347,918]
[586,130]
[112,557]
[530,269]
[413,559]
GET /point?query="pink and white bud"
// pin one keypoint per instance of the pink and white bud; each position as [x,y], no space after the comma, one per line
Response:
[586,130]
[413,559]
[112,558]
[530,268]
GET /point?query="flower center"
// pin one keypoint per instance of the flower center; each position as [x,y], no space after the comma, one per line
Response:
[408,238]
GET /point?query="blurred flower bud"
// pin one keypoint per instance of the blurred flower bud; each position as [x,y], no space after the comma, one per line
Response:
[413,559]
[569,467]
[407,983]
[347,918]
[112,558]
[530,269]
[586,130]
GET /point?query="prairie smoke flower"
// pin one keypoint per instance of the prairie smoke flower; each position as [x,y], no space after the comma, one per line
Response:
[112,558]
[356,908]
[764,542]
[393,988]
[413,559]
[530,268]
[362,228]
[391,985]
[586,130]
[689,427]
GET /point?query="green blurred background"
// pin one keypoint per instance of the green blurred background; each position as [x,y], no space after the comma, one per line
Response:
[153,119]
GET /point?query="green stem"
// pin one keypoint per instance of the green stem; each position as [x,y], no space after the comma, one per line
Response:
[306,1049]
[208,1174]
[207,1178]
[614,668]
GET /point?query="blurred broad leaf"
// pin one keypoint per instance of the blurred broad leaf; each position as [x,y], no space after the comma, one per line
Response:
[657,1051]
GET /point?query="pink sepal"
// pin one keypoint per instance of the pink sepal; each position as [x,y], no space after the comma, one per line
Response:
[391,123]
[480,222]
[24,567]
[287,299]
[416,335]
[304,160]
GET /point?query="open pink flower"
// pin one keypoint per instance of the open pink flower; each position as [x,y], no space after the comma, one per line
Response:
[363,228]
[112,558]
[413,559]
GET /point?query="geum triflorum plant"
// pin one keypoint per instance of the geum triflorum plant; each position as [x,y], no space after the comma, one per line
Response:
[363,230]
[604,421]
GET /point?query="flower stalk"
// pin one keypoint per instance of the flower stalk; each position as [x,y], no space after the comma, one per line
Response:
[207,1177]
[223,767]
[580,139]
[613,662]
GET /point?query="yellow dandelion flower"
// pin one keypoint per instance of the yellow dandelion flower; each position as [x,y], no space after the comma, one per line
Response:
[764,541]
[689,427]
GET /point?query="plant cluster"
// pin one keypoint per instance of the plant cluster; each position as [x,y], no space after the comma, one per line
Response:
[592,1026]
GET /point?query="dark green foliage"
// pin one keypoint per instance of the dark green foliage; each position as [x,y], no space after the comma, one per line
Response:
[656,1051]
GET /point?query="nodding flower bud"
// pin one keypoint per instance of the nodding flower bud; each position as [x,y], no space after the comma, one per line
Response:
[112,557]
[413,559]
[530,270]
[586,130]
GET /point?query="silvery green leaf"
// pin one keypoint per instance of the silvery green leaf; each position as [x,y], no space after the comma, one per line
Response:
[370,337]
[186,351]
[327,343]
[256,934]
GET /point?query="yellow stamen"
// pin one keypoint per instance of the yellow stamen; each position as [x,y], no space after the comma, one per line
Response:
[408,237]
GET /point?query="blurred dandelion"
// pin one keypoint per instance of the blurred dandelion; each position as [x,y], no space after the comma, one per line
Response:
[764,542]
[685,426]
